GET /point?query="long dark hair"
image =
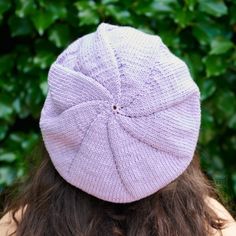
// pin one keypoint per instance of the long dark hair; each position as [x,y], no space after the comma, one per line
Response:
[54,207]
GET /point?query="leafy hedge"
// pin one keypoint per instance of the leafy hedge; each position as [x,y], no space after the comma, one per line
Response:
[34,32]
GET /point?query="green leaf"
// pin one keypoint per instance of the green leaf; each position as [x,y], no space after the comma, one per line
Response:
[42,20]
[155,9]
[6,63]
[5,110]
[220,45]
[45,53]
[16,137]
[215,65]
[23,142]
[3,130]
[109,1]
[191,4]
[87,13]
[232,14]
[207,88]
[57,9]
[216,8]
[47,14]
[205,30]
[44,87]
[192,59]
[7,175]
[24,62]
[29,142]
[169,40]
[218,163]
[232,122]
[25,7]
[183,17]
[4,6]
[19,26]
[43,59]
[207,132]
[16,105]
[60,35]
[225,102]
[8,157]
[121,15]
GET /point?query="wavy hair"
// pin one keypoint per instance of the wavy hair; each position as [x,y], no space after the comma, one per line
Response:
[54,207]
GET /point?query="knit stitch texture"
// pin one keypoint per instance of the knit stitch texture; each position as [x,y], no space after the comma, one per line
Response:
[122,114]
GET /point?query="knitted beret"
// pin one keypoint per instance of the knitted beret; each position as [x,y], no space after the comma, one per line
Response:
[122,114]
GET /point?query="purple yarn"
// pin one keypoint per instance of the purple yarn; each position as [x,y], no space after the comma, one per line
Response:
[122,115]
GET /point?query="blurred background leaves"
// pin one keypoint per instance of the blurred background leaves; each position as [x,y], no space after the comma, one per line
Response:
[34,32]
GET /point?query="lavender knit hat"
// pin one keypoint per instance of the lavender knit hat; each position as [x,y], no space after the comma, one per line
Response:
[122,115]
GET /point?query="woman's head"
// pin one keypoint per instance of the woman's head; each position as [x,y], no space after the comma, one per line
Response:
[122,114]
[54,207]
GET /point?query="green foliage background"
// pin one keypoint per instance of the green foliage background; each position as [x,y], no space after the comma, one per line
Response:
[34,32]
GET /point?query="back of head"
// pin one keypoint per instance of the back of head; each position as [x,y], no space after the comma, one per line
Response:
[122,115]
[120,126]
[55,207]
